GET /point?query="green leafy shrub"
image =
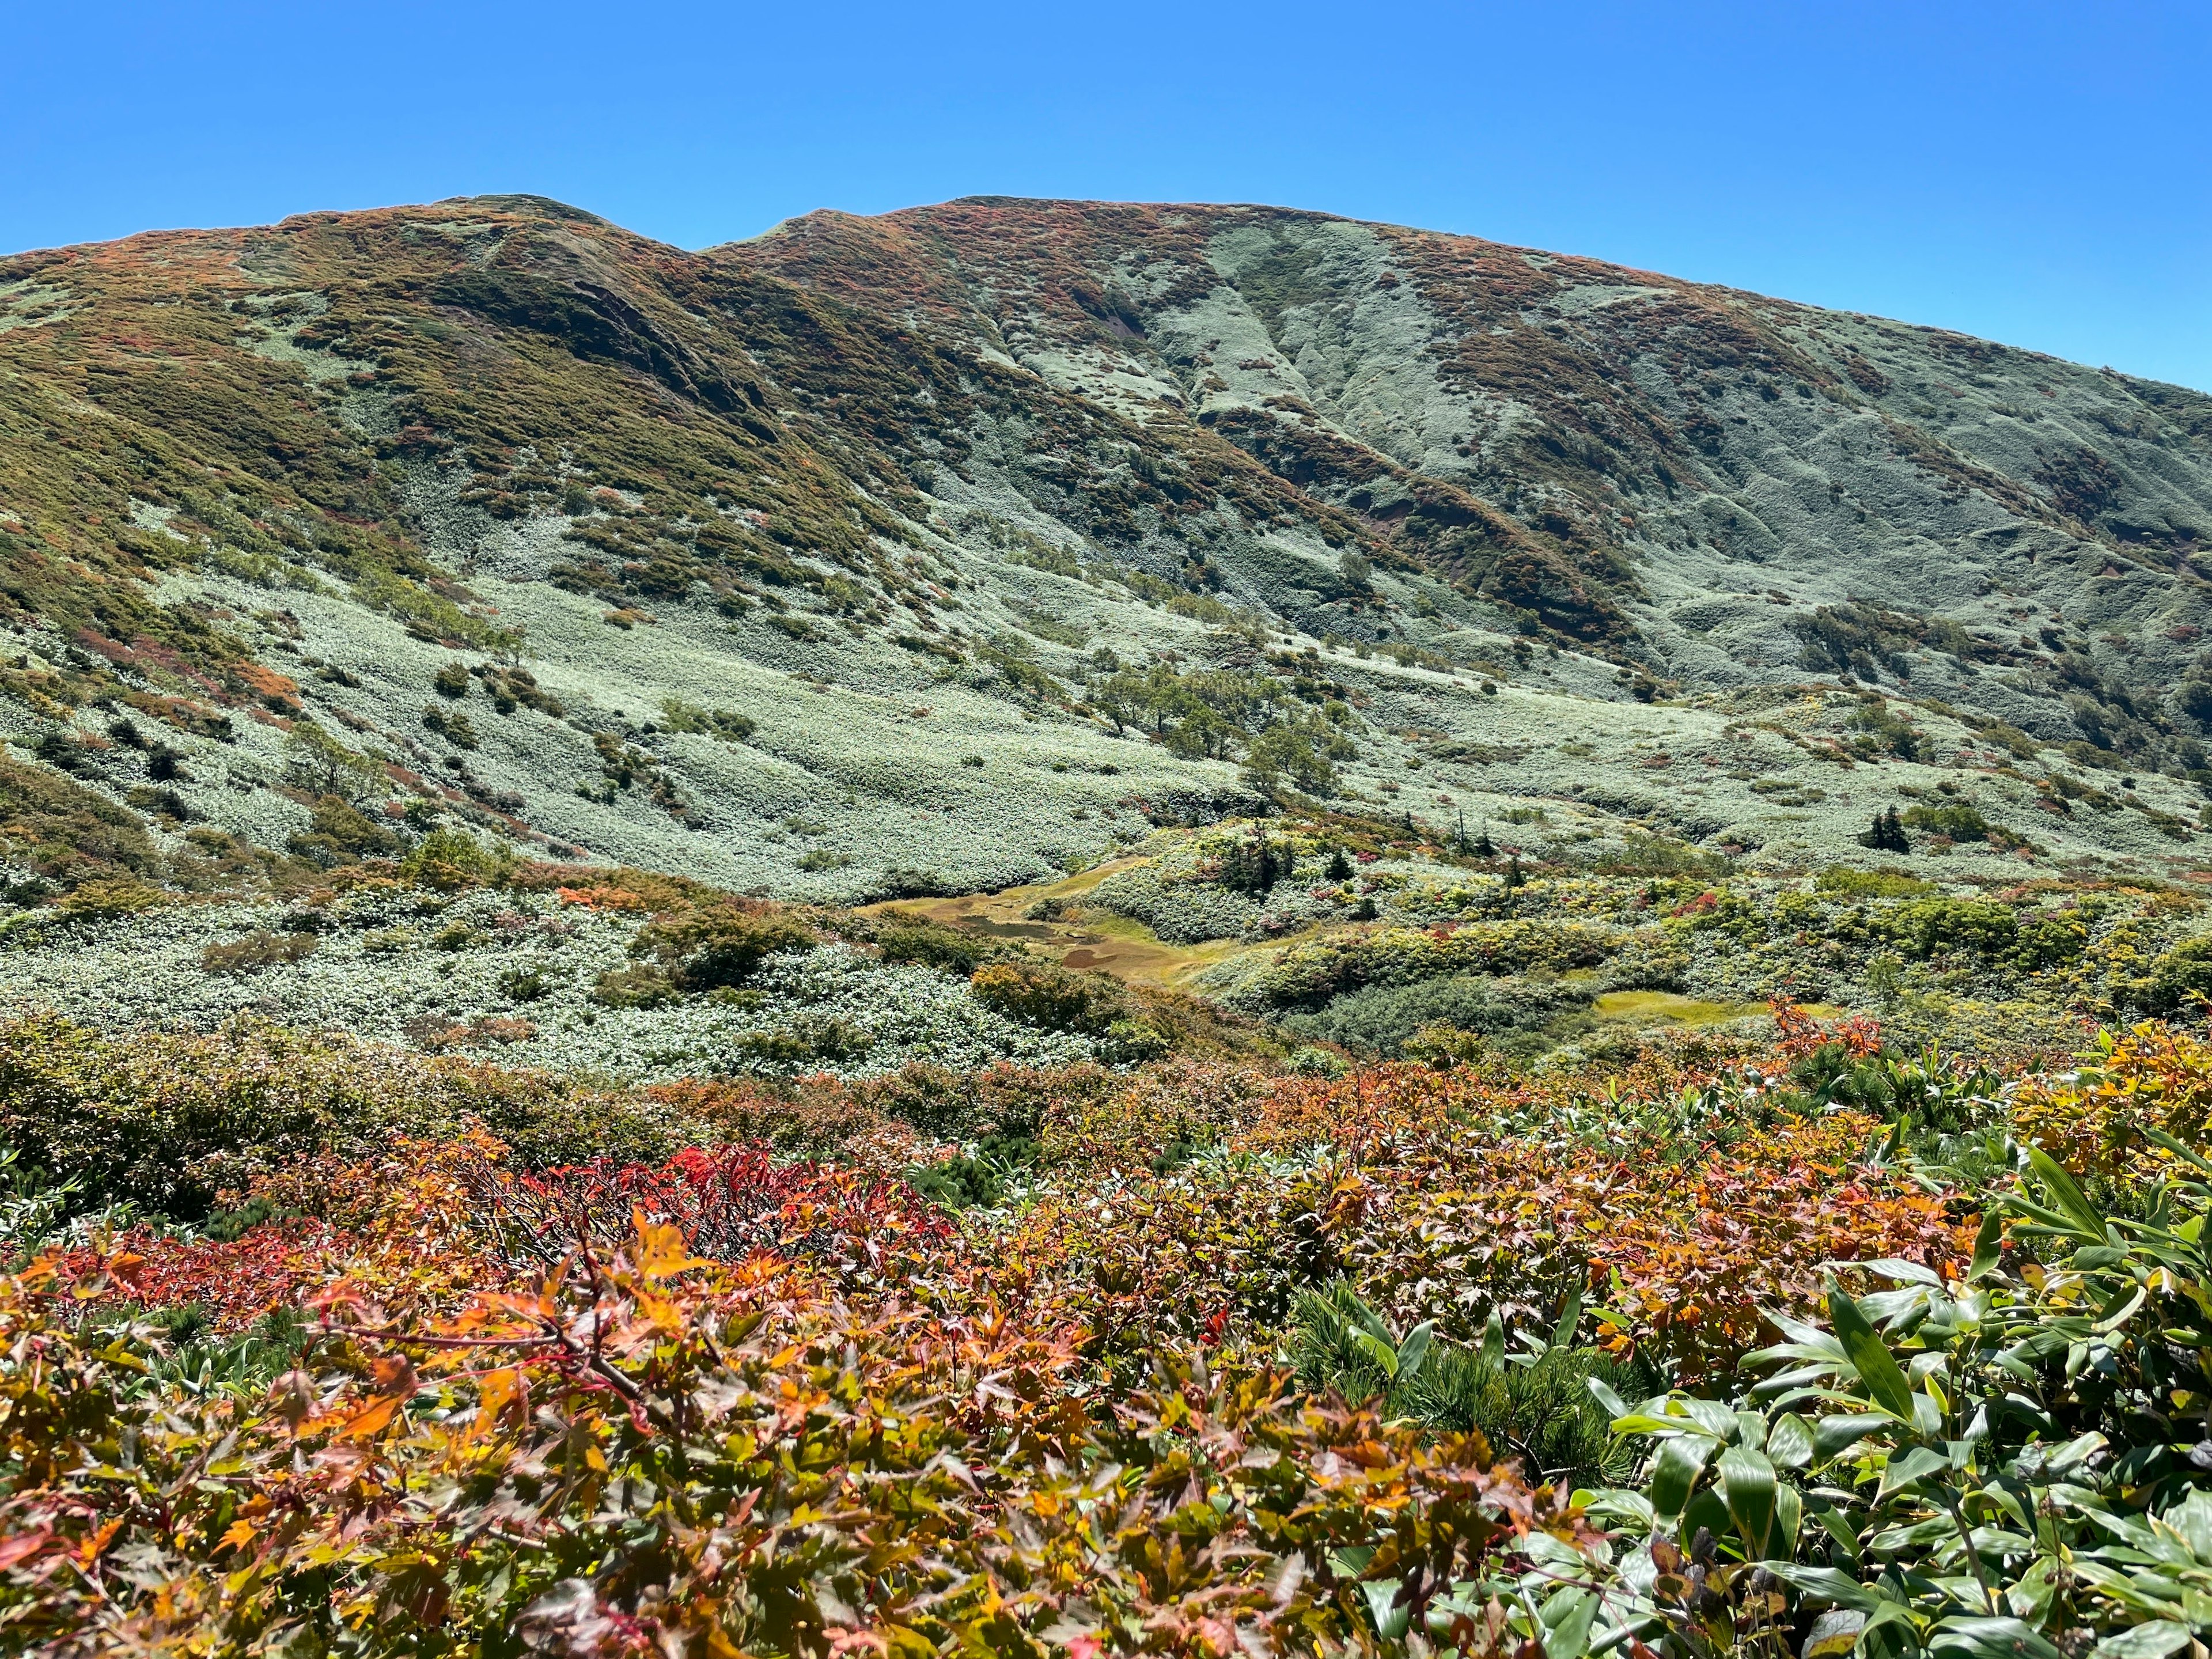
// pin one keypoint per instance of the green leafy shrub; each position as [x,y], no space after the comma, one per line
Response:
[1996,1466]
[339,833]
[1302,752]
[1847,882]
[902,937]
[642,987]
[165,1122]
[713,946]
[680,716]
[1308,976]
[2177,980]
[1534,1405]
[451,860]
[1931,927]
[1984,928]
[257,950]
[65,832]
[1383,1018]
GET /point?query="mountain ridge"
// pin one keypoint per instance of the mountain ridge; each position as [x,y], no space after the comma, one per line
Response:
[994,457]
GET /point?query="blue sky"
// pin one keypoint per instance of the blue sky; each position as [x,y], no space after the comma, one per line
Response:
[2039,173]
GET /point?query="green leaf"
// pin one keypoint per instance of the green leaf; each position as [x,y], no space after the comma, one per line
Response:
[1567,1618]
[2120,1315]
[2152,1640]
[1870,1358]
[1834,1634]
[1748,1486]
[2087,1223]
[1845,1430]
[1613,1404]
[2001,1638]
[1415,1348]
[1493,1341]
[1391,1622]
[1570,1315]
[1636,1422]
[1790,1441]
[1989,1244]
[1789,1517]
[2187,1154]
[1913,1465]
[1829,1585]
[1676,1470]
[1833,1524]
[1376,1350]
[1906,1272]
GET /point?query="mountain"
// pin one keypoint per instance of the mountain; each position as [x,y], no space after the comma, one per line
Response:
[940,551]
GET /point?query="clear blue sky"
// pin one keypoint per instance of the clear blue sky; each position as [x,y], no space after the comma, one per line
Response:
[2039,173]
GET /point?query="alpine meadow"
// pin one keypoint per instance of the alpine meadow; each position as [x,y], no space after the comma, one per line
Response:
[1060,928]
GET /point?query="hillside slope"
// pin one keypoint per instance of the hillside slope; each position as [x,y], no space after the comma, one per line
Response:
[945,549]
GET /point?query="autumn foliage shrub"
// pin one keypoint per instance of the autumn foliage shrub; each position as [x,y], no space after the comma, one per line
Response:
[2094,1119]
[642,1453]
[710,946]
[764,1394]
[730,1205]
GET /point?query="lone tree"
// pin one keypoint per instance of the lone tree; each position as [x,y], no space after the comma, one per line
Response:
[1886,834]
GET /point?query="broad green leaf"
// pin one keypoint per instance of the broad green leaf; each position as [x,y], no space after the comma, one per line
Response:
[1833,1524]
[1869,1357]
[1645,1423]
[1834,1634]
[1567,1618]
[2153,1639]
[1790,1441]
[1493,1341]
[1391,1622]
[1570,1316]
[1789,1517]
[1829,1585]
[2188,1155]
[2191,1520]
[1748,1486]
[2087,1223]
[1376,1350]
[1371,1322]
[1415,1348]
[2029,1594]
[1676,1470]
[2000,1638]
[1846,1429]
[1908,1273]
[1614,1405]
[2119,1316]
[2076,1452]
[1718,1420]
[1914,1464]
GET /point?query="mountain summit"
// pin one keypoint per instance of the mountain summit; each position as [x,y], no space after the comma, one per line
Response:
[942,550]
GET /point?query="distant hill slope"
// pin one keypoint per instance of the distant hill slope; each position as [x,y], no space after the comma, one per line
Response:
[947,547]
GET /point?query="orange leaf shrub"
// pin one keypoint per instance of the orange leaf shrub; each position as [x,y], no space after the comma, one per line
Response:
[2091,1119]
[640,1452]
